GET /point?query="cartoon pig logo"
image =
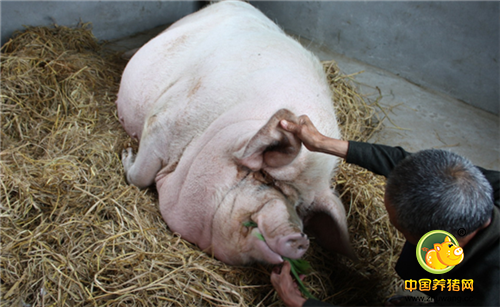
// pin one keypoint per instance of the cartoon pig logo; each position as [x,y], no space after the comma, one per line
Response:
[438,252]
[444,254]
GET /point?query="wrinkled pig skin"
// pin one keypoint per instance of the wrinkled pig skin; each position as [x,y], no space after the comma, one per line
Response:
[205,98]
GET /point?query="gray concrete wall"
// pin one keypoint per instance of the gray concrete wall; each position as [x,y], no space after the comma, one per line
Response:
[110,19]
[448,46]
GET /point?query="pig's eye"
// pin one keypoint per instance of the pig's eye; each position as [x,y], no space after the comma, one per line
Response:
[450,245]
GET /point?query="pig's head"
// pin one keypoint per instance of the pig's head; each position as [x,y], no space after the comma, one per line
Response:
[448,253]
[258,219]
[261,224]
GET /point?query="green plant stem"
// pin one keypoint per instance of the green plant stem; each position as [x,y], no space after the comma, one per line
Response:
[299,281]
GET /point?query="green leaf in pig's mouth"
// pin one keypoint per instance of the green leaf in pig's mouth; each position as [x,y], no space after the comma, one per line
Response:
[259,236]
[250,224]
[298,266]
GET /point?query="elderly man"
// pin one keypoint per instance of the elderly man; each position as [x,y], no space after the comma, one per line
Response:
[428,190]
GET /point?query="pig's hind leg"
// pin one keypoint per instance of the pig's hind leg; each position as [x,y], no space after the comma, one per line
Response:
[141,169]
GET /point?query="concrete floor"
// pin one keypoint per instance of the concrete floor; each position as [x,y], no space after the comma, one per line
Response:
[419,118]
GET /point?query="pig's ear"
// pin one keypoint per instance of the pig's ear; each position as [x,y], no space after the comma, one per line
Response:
[271,146]
[326,221]
[437,246]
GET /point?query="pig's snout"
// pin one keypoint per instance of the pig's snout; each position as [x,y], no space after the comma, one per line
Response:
[458,251]
[293,246]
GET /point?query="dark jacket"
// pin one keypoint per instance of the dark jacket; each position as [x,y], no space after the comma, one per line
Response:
[481,262]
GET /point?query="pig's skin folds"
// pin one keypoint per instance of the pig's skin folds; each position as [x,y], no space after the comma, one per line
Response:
[205,98]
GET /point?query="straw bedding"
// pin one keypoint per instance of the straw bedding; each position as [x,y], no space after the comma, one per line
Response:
[73,233]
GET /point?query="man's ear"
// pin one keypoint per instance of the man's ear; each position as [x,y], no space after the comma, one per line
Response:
[271,146]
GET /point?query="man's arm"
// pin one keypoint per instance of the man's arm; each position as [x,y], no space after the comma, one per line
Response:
[379,159]
[493,178]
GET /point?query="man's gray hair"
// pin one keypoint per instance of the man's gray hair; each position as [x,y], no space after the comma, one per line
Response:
[439,190]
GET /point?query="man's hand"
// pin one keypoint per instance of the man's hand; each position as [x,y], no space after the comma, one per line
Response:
[286,287]
[313,139]
[306,132]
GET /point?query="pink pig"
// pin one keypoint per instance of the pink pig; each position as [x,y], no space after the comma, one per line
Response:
[205,98]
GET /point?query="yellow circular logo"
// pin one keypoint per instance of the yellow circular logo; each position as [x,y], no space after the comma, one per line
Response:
[438,252]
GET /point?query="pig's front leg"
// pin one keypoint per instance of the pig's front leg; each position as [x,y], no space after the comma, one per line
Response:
[141,169]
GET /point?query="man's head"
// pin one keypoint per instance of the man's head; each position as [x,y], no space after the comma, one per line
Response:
[437,190]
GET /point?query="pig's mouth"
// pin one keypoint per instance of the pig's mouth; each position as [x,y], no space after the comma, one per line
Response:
[452,260]
[291,246]
[268,254]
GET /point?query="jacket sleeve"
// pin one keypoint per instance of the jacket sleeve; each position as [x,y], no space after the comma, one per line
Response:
[493,178]
[379,159]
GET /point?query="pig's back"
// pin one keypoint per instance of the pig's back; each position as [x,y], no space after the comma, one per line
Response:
[226,56]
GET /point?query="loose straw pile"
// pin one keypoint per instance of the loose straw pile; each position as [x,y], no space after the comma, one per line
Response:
[73,233]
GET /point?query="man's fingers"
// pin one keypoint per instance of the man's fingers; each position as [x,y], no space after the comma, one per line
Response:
[304,120]
[288,126]
[275,277]
[286,267]
[277,270]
